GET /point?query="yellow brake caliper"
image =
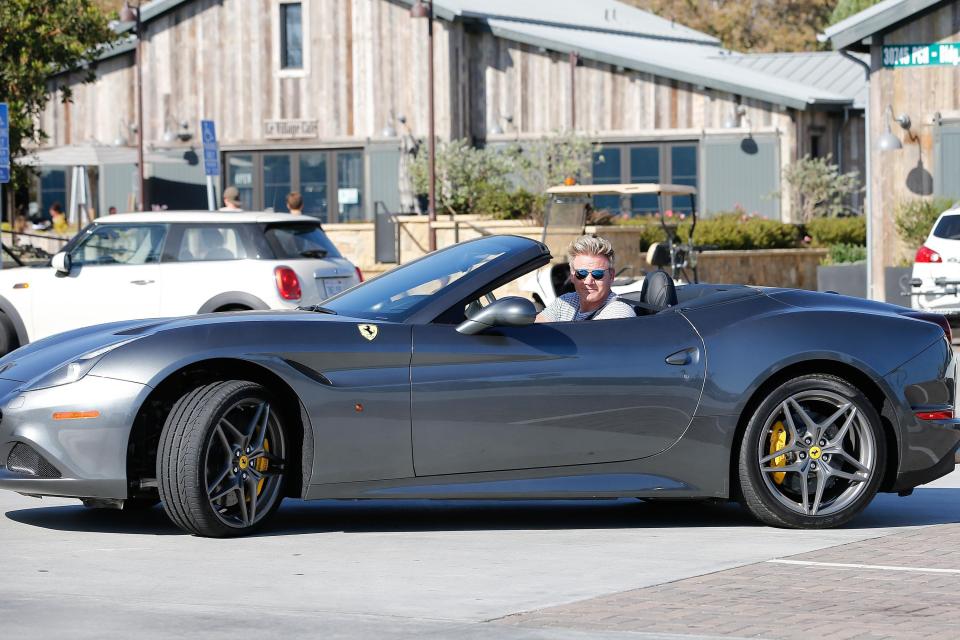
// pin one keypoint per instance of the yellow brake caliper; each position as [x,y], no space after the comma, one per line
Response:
[778,440]
[262,465]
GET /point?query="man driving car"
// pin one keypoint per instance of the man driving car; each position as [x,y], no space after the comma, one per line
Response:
[591,271]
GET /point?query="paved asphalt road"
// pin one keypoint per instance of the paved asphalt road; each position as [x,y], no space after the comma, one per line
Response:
[402,570]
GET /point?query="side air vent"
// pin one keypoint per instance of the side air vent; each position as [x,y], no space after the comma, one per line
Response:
[23,459]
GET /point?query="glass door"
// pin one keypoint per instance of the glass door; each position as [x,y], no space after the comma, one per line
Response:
[313,183]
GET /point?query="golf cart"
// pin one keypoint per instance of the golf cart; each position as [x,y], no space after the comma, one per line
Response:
[568,213]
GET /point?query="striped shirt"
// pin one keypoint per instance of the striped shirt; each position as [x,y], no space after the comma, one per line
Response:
[567,308]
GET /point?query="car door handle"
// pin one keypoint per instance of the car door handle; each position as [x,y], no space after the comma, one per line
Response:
[683,357]
[141,282]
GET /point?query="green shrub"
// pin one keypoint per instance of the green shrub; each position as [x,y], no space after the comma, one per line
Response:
[733,230]
[845,253]
[500,204]
[825,232]
[818,188]
[914,219]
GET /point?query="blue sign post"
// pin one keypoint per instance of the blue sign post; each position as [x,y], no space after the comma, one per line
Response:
[211,158]
[4,143]
[4,154]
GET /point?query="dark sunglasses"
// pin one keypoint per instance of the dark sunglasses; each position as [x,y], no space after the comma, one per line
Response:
[598,274]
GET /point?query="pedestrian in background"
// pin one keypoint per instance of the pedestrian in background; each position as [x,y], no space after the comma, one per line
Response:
[231,199]
[295,203]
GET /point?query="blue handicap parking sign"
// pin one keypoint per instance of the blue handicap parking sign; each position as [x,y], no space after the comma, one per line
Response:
[211,152]
[5,173]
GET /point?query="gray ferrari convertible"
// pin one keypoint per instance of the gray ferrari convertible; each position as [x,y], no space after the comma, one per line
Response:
[422,384]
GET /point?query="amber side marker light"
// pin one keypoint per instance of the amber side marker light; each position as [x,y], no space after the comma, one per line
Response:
[75,415]
[935,415]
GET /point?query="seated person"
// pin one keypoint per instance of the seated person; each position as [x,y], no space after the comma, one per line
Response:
[591,271]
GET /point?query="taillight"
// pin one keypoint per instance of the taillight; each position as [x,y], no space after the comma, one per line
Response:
[946,414]
[935,318]
[288,285]
[359,274]
[926,254]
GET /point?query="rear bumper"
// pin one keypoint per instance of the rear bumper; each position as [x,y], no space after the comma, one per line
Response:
[926,448]
[85,458]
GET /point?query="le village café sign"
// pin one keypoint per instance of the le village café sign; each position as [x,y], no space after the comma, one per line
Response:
[289,129]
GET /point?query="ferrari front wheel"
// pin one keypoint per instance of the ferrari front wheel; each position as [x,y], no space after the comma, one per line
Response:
[812,455]
[221,459]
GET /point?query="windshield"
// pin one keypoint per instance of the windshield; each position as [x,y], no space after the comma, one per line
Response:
[399,293]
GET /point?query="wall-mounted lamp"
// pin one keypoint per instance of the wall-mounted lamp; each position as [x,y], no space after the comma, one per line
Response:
[888,141]
[123,127]
[179,132]
[732,121]
[389,130]
[496,129]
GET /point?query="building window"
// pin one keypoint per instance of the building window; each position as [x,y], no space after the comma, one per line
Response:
[291,35]
[669,162]
[330,181]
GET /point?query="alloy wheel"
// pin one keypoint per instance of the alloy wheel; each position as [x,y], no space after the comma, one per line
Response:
[244,463]
[817,453]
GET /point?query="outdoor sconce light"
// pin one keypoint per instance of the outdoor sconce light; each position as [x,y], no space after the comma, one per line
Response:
[121,139]
[888,141]
[496,129]
[183,133]
[389,131]
[732,121]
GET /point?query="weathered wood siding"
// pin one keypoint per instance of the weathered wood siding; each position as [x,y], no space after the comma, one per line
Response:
[533,86]
[918,92]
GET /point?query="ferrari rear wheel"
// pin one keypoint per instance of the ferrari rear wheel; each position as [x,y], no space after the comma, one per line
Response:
[812,455]
[221,459]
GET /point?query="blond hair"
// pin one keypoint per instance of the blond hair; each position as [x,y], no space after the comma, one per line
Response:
[590,246]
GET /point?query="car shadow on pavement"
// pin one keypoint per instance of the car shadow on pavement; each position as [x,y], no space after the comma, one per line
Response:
[924,507]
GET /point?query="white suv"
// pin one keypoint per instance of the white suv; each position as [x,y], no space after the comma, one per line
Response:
[144,265]
[936,267]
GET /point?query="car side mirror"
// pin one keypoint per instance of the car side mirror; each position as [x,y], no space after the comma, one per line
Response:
[61,262]
[512,311]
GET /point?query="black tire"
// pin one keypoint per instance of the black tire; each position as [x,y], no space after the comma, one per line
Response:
[8,335]
[246,462]
[826,482]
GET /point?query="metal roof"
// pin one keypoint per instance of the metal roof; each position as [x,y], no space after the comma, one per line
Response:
[881,17]
[696,64]
[823,69]
[609,16]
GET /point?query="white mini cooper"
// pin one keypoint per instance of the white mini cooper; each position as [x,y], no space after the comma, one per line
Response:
[172,263]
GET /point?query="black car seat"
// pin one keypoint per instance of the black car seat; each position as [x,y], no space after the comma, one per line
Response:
[658,293]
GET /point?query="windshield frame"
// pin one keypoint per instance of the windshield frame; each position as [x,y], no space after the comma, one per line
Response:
[441,300]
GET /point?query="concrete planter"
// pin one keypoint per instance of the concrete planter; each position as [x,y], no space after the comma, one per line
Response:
[893,293]
[846,279]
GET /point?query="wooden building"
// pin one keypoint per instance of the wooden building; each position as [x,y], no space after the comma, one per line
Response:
[326,97]
[914,67]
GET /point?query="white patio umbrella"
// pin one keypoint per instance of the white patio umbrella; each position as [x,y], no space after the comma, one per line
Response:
[81,156]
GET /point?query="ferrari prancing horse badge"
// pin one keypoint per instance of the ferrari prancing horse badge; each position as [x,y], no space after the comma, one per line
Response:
[368,331]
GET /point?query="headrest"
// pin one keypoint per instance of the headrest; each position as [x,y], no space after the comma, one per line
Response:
[658,290]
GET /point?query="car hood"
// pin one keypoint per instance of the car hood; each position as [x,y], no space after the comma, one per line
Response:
[38,358]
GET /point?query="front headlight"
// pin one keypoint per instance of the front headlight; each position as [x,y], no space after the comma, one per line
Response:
[73,370]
